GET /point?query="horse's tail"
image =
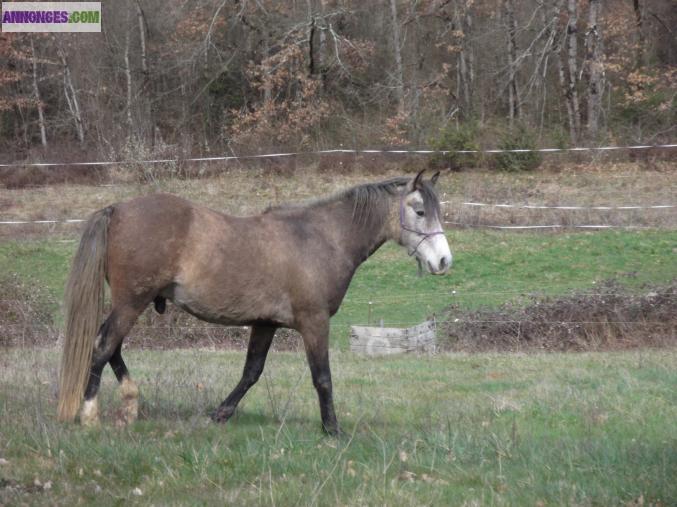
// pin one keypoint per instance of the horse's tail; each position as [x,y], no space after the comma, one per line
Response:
[84,299]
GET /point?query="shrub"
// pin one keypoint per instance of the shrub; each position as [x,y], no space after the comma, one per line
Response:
[518,138]
[454,138]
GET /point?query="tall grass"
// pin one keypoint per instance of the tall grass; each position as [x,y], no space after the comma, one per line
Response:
[487,429]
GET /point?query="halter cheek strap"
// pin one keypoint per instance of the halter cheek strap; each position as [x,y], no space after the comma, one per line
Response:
[425,235]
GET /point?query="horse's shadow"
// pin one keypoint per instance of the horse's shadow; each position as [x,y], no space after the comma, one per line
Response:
[153,412]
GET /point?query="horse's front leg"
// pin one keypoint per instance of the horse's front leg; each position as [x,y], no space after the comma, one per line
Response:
[315,332]
[259,343]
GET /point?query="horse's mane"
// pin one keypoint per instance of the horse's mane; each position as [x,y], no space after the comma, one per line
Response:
[369,200]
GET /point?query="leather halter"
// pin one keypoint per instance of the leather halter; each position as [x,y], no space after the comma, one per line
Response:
[425,235]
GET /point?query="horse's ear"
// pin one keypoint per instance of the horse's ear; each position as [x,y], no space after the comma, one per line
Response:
[416,183]
[434,179]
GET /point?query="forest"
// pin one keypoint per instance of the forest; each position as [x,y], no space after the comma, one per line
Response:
[174,78]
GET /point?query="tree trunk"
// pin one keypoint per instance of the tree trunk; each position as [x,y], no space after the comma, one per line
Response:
[149,127]
[596,69]
[513,91]
[570,111]
[572,51]
[322,50]
[462,20]
[142,38]
[71,97]
[559,38]
[267,85]
[317,40]
[128,80]
[36,95]
[470,56]
[640,33]
[399,72]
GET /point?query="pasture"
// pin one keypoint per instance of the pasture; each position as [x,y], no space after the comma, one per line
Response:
[591,428]
[490,268]
[551,128]
[483,429]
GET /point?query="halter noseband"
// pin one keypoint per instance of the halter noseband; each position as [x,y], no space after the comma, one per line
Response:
[425,235]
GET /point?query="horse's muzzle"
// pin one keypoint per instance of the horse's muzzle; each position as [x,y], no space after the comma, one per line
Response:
[442,266]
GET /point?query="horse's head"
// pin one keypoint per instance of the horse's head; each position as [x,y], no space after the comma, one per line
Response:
[421,225]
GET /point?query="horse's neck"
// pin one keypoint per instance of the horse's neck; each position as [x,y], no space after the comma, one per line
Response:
[362,236]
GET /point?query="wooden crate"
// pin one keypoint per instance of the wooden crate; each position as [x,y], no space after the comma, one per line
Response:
[374,341]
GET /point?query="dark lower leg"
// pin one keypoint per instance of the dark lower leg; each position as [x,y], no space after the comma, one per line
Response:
[315,331]
[118,365]
[259,344]
[108,345]
[319,369]
[104,351]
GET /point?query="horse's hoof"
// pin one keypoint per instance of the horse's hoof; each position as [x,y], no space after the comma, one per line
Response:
[89,416]
[222,414]
[333,431]
[129,393]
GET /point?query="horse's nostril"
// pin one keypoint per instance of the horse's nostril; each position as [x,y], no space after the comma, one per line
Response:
[443,263]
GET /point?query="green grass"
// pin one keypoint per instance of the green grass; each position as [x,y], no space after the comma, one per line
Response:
[490,268]
[486,429]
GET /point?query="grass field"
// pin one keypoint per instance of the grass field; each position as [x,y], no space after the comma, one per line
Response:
[490,268]
[250,190]
[555,429]
[585,429]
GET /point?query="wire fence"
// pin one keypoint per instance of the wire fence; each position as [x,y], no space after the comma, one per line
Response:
[564,207]
[625,207]
[577,149]
[554,225]
[449,298]
[389,323]
[559,291]
[561,318]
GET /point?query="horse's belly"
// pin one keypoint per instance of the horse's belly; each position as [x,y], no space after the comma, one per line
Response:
[228,310]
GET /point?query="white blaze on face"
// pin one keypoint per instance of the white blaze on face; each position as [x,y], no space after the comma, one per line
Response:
[433,251]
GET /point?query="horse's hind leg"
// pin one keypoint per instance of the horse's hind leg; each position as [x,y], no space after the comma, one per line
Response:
[259,344]
[129,392]
[109,338]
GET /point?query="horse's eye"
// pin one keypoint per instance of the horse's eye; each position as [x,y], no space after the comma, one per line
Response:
[420,213]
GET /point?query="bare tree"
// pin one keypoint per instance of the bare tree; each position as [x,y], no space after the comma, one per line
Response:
[639,21]
[513,90]
[397,53]
[36,95]
[595,65]
[564,85]
[572,53]
[71,95]
[128,81]
[141,20]
[465,66]
[214,74]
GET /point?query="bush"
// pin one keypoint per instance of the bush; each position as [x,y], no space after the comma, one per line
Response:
[453,139]
[518,138]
